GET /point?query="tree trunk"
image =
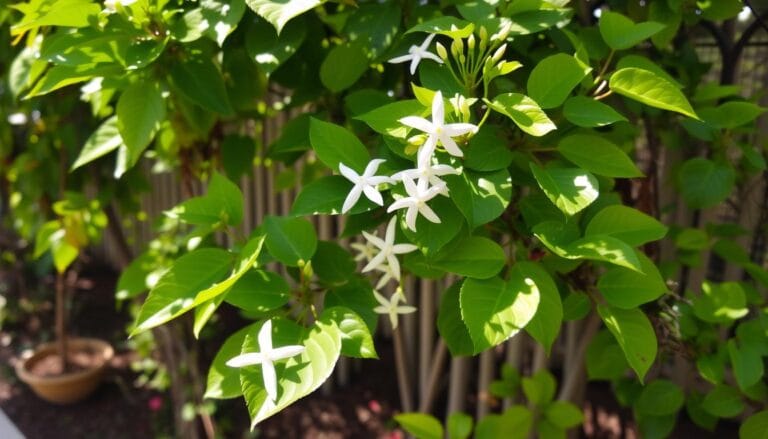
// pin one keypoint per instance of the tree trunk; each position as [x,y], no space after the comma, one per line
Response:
[61,324]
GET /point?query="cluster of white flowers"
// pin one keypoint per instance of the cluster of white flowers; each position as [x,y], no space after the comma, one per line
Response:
[421,184]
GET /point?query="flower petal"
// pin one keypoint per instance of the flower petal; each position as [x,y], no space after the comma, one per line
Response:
[438,110]
[375,240]
[427,42]
[394,266]
[432,56]
[440,170]
[401,58]
[372,166]
[351,199]
[381,299]
[410,217]
[400,204]
[410,186]
[348,173]
[243,360]
[375,262]
[429,214]
[451,146]
[265,337]
[415,62]
[372,194]
[400,249]
[458,129]
[419,123]
[287,351]
[424,156]
[270,379]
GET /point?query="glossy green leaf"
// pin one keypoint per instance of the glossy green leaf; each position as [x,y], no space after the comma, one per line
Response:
[553,79]
[635,335]
[199,80]
[222,18]
[65,13]
[104,140]
[747,364]
[332,264]
[486,150]
[335,144]
[259,291]
[296,377]
[625,288]
[374,25]
[723,401]
[755,426]
[343,66]
[589,113]
[659,398]
[627,224]
[175,292]
[357,295]
[446,25]
[237,153]
[386,118]
[620,33]
[513,423]
[597,155]
[459,425]
[291,241]
[539,389]
[494,310]
[570,189]
[420,425]
[270,50]
[474,257]
[356,339]
[524,112]
[278,12]
[223,202]
[481,197]
[451,326]
[224,381]
[605,359]
[544,327]
[731,114]
[650,89]
[326,195]
[720,303]
[433,237]
[564,414]
[705,183]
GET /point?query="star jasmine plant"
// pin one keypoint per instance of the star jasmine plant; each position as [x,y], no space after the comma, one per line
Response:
[388,250]
[365,183]
[391,307]
[416,201]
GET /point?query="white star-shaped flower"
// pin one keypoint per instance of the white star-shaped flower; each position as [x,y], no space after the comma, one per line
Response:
[438,130]
[416,54]
[429,172]
[388,251]
[392,307]
[416,201]
[364,184]
[365,251]
[266,358]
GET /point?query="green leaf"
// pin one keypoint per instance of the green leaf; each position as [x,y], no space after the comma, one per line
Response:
[723,401]
[356,339]
[326,195]
[625,288]
[524,112]
[481,198]
[451,326]
[334,144]
[237,153]
[660,398]
[199,80]
[635,335]
[564,414]
[704,183]
[104,140]
[597,155]
[356,295]
[474,257]
[620,33]
[553,79]
[375,26]
[223,202]
[486,150]
[278,12]
[421,426]
[650,89]
[605,359]
[644,63]
[433,237]
[386,118]
[755,426]
[494,310]
[627,224]
[446,25]
[60,76]
[604,248]
[656,427]
[270,50]
[332,264]
[711,368]
[747,364]
[570,189]
[259,291]
[298,376]
[540,388]
[459,425]
[343,66]
[514,423]
[589,113]
[291,241]
[720,303]
[545,324]
[175,292]
[224,381]
[222,18]
[64,13]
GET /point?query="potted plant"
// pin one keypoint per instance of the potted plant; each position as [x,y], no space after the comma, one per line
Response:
[69,369]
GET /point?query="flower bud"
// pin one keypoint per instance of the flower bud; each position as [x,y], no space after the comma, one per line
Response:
[441,52]
[471,42]
[499,53]
[483,38]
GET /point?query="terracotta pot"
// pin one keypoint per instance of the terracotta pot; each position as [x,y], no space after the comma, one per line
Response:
[70,387]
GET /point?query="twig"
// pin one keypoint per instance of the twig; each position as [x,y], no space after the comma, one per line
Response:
[401,368]
[438,362]
[575,371]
